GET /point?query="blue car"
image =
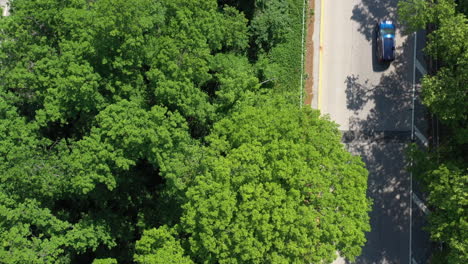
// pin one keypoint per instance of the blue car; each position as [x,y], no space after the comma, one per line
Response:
[385,41]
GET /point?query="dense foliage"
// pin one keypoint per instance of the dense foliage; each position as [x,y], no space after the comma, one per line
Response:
[445,93]
[292,190]
[164,131]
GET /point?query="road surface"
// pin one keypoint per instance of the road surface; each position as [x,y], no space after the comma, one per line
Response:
[372,104]
[3,4]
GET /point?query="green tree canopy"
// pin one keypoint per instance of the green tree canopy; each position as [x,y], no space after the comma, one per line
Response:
[31,179]
[275,185]
[444,93]
[160,246]
[270,23]
[67,60]
[139,131]
[450,222]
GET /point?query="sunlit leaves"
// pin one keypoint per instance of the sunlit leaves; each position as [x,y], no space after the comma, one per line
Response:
[277,187]
[125,134]
[159,246]
[445,94]
[449,222]
[31,234]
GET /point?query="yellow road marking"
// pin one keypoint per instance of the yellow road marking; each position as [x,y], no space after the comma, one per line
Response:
[319,92]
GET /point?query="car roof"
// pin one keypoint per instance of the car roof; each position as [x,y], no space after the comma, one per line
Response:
[388,46]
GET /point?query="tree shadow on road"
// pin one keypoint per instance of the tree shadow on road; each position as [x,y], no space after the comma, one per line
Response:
[357,94]
[388,188]
[380,138]
[391,97]
[368,12]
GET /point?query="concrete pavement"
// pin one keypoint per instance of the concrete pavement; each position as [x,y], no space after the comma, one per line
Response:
[4,5]
[372,103]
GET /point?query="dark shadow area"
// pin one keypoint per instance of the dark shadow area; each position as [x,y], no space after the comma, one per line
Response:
[357,94]
[245,6]
[377,136]
[368,12]
[421,237]
[388,182]
[135,204]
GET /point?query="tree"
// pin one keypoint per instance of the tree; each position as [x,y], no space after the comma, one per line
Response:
[444,93]
[444,169]
[67,60]
[31,180]
[126,133]
[449,222]
[275,185]
[159,246]
[31,234]
[62,201]
[130,166]
[445,182]
[270,23]
[415,13]
[105,261]
[233,80]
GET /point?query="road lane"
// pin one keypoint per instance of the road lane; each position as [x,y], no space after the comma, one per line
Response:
[4,5]
[354,84]
[372,105]
[388,242]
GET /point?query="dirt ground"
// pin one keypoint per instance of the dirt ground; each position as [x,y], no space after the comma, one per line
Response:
[309,55]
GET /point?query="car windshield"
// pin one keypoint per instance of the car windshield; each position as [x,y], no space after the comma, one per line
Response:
[385,31]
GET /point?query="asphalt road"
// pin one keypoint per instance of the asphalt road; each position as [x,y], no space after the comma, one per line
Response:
[372,103]
[3,4]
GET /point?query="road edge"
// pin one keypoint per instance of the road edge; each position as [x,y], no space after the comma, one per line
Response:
[309,54]
[316,37]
